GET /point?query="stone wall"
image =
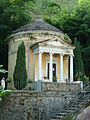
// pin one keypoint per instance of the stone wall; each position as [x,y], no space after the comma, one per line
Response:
[31,105]
[54,86]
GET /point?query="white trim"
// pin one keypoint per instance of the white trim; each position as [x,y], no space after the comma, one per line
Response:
[61,68]
[48,49]
[39,65]
[56,69]
[71,68]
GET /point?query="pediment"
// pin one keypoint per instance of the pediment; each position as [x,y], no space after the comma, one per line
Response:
[55,42]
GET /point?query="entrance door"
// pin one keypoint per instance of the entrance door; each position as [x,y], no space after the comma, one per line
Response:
[53,70]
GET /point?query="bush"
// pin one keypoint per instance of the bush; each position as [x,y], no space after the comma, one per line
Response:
[78,61]
[86,78]
[78,75]
[54,79]
[68,117]
[86,60]
[1,88]
[30,81]
[20,74]
[9,79]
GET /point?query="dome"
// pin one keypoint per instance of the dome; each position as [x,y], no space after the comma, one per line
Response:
[37,24]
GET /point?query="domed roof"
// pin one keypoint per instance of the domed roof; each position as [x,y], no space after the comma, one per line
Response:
[37,24]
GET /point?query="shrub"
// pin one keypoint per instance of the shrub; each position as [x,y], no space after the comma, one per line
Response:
[68,117]
[20,74]
[86,78]
[2,70]
[54,79]
[9,79]
[1,88]
[30,81]
[78,75]
[78,61]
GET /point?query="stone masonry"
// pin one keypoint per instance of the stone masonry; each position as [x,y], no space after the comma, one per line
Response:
[23,105]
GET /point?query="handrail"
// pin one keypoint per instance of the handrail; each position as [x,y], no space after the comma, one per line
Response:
[76,94]
[70,104]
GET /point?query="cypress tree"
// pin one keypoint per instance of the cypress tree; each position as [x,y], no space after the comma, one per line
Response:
[20,74]
[86,60]
[78,61]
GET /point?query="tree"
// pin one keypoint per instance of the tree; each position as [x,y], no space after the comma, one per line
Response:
[20,74]
[2,70]
[78,62]
[86,60]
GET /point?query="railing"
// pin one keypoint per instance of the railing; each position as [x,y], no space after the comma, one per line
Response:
[77,95]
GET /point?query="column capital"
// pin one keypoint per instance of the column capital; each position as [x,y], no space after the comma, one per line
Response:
[71,55]
[51,53]
[62,54]
[40,52]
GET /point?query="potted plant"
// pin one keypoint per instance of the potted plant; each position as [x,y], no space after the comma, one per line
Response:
[30,81]
[54,79]
[78,76]
[86,78]
[45,77]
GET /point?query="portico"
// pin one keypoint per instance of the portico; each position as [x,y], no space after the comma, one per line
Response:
[52,57]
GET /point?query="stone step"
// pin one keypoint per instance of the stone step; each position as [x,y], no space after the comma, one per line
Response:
[54,119]
[72,107]
[62,113]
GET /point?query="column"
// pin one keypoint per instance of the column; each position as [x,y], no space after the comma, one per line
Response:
[33,66]
[61,67]
[28,63]
[71,68]
[39,66]
[50,67]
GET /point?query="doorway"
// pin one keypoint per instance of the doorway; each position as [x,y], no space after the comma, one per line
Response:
[54,70]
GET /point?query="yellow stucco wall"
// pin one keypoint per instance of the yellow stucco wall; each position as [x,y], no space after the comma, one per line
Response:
[56,59]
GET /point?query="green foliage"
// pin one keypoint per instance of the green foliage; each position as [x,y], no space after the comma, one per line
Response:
[9,80]
[4,92]
[68,117]
[78,75]
[54,79]
[2,70]
[86,60]
[1,88]
[86,78]
[66,37]
[30,81]
[78,62]
[71,16]
[20,74]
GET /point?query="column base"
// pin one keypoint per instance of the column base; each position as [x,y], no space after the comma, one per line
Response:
[62,81]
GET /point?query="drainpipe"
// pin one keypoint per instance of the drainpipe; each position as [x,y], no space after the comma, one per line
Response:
[28,63]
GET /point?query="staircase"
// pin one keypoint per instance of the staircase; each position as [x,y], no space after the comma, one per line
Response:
[73,105]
